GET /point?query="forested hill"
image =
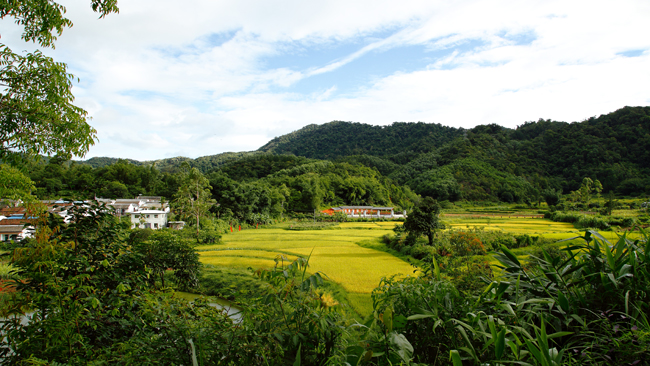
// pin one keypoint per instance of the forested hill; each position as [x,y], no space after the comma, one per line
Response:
[490,161]
[204,163]
[335,139]
[487,162]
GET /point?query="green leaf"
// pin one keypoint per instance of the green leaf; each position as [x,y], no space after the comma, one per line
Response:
[421,316]
[500,345]
[297,361]
[510,255]
[579,319]
[563,301]
[536,352]
[387,318]
[454,356]
[558,334]
[399,321]
[610,258]
[493,329]
[469,349]
[436,270]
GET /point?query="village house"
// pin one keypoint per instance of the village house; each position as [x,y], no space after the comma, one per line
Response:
[145,212]
[149,219]
[366,212]
[12,224]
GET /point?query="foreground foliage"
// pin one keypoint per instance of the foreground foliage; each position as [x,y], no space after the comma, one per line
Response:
[94,297]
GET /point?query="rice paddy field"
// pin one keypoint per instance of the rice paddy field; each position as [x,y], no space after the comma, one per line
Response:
[335,253]
[338,254]
[530,226]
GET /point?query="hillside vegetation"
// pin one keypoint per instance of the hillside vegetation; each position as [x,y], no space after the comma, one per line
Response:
[485,163]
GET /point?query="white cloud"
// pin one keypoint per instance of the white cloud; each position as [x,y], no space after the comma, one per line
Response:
[163,78]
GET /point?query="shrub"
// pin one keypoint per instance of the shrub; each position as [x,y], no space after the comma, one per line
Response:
[592,222]
[525,240]
[569,217]
[406,250]
[622,221]
[464,243]
[420,251]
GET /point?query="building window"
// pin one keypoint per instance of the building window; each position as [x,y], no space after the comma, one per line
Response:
[155,225]
[137,216]
[148,216]
[155,216]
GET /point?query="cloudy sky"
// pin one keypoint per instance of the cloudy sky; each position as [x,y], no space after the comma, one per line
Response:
[200,77]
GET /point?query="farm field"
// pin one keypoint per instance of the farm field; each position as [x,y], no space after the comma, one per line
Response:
[334,252]
[358,269]
[528,226]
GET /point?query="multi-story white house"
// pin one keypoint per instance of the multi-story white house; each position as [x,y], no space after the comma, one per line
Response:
[146,212]
[149,219]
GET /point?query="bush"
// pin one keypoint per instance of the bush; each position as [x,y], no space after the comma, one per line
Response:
[622,221]
[230,283]
[569,217]
[525,240]
[464,243]
[420,251]
[406,250]
[592,222]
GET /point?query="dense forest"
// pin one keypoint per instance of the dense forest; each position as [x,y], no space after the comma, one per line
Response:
[352,163]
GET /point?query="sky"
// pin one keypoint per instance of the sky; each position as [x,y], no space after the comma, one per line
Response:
[201,77]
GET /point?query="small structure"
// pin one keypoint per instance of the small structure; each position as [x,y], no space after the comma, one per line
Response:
[365,212]
[176,225]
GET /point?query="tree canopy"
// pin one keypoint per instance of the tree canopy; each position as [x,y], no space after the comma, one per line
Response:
[424,219]
[37,113]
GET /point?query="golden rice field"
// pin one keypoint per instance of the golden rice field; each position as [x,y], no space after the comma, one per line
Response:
[337,253]
[514,225]
[333,252]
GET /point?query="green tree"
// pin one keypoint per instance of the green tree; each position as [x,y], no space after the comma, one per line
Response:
[81,281]
[588,188]
[14,185]
[424,219]
[37,113]
[551,196]
[193,198]
[162,250]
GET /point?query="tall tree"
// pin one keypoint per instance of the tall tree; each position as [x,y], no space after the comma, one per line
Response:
[193,198]
[36,102]
[37,114]
[424,219]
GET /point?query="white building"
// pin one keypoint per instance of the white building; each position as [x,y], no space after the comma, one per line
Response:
[149,219]
[367,212]
[15,232]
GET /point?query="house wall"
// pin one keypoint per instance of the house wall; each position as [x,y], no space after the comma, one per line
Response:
[155,220]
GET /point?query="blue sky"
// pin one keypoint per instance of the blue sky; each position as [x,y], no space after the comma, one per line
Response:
[163,80]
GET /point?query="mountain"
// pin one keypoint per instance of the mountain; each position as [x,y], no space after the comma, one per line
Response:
[203,163]
[336,139]
[487,162]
